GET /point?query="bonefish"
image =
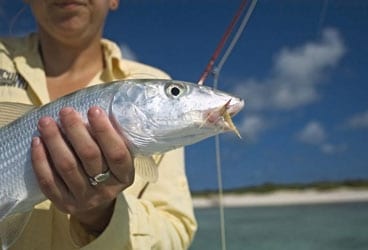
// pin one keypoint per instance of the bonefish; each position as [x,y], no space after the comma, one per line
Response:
[154,116]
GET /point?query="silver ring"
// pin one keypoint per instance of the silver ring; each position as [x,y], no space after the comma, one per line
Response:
[95,180]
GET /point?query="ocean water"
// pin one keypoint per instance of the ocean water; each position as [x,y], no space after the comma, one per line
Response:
[342,226]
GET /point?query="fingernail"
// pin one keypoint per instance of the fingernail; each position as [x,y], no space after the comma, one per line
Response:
[35,141]
[65,111]
[95,111]
[44,121]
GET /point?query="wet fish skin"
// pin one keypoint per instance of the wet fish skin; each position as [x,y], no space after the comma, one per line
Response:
[154,116]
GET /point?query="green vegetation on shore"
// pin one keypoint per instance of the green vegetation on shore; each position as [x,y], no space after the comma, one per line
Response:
[272,187]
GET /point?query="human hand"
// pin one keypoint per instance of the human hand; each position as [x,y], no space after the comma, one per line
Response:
[64,160]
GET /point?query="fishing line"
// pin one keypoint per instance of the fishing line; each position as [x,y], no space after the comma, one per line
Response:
[15,19]
[216,73]
[222,42]
[234,41]
[322,16]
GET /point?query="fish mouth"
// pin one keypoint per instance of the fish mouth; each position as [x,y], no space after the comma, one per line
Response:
[222,117]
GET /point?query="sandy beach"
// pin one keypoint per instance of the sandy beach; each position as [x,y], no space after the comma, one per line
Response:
[284,198]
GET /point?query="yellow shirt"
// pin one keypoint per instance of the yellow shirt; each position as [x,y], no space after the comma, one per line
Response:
[159,216]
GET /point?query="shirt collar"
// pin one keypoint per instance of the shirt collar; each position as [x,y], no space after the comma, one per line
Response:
[29,64]
[114,69]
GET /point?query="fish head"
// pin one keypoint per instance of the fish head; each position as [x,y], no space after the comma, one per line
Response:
[156,116]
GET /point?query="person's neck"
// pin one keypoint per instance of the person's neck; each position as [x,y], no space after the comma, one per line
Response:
[70,66]
[67,58]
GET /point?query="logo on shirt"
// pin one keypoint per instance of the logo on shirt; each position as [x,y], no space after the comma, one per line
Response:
[12,79]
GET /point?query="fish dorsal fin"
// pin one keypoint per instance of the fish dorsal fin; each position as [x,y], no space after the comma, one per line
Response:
[9,111]
[146,168]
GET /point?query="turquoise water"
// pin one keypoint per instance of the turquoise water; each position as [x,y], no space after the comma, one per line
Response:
[341,226]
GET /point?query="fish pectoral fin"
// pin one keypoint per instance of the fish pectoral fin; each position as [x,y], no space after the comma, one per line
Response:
[9,111]
[146,168]
[12,227]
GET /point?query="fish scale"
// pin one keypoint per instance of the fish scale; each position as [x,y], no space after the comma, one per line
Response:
[153,115]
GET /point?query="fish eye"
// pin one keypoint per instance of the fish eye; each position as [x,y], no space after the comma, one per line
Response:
[175,90]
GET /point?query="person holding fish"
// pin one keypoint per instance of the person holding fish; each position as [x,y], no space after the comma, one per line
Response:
[95,200]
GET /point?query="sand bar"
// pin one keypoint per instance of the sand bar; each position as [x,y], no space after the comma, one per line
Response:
[284,198]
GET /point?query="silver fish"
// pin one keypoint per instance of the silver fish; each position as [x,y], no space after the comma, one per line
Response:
[154,116]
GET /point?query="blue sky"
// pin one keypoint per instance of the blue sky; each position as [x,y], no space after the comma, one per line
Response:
[301,66]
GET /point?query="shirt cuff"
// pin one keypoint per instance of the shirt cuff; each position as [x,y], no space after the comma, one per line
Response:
[115,236]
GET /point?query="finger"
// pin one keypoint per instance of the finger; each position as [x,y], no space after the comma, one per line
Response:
[112,145]
[62,157]
[83,143]
[49,183]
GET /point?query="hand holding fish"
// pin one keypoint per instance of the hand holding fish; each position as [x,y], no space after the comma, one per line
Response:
[63,166]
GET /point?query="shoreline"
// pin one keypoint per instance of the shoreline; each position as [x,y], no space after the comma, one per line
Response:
[283,197]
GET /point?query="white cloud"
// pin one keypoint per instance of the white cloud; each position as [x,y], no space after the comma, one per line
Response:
[295,75]
[329,148]
[307,63]
[293,82]
[252,126]
[315,134]
[358,120]
[128,53]
[312,133]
